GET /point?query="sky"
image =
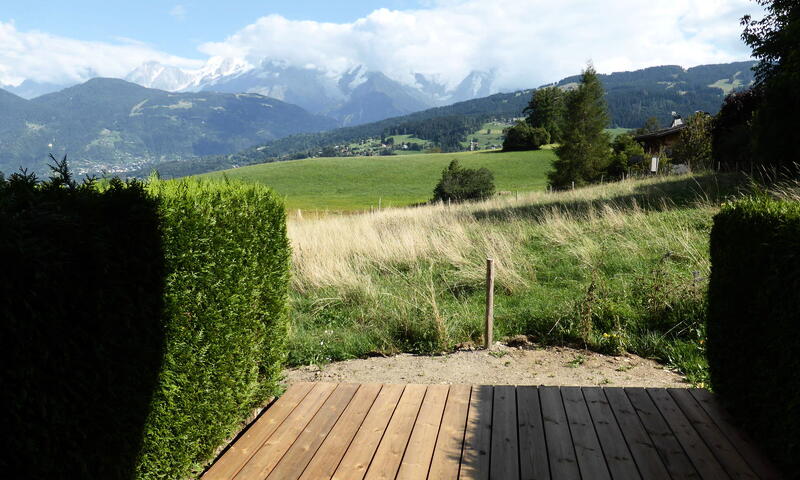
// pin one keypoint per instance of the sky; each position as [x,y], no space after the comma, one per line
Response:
[526,43]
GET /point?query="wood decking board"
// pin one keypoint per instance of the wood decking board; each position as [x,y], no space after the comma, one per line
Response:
[358,457]
[478,437]
[371,431]
[390,452]
[669,448]
[760,465]
[533,461]
[294,462]
[254,437]
[330,453]
[504,461]
[450,442]
[638,441]
[560,449]
[264,460]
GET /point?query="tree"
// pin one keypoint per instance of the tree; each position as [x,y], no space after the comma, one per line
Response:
[694,145]
[774,40]
[523,136]
[624,149]
[650,125]
[731,133]
[546,110]
[458,184]
[584,152]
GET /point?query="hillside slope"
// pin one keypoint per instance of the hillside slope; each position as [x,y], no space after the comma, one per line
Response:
[117,126]
[632,98]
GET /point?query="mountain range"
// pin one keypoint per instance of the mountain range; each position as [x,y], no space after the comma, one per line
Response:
[119,126]
[116,126]
[353,97]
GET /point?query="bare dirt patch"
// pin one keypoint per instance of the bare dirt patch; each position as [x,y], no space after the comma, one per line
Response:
[504,365]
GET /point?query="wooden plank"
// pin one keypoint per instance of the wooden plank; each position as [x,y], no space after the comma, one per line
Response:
[533,462]
[713,437]
[358,456]
[591,462]
[642,448]
[447,454]
[504,461]
[478,437]
[563,463]
[332,450]
[419,452]
[669,448]
[697,451]
[296,459]
[615,450]
[271,452]
[757,461]
[254,437]
[393,444]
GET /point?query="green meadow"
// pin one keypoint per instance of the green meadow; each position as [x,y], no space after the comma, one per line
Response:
[359,183]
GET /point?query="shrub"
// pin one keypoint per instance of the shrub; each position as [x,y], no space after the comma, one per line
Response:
[226,254]
[82,292]
[753,328]
[523,136]
[459,184]
[143,323]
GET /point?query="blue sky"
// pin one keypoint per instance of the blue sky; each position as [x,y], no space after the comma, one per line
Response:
[524,43]
[176,27]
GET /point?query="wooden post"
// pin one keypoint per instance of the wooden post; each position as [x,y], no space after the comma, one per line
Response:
[380,203]
[489,303]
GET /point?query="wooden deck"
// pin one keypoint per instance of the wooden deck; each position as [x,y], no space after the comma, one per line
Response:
[370,431]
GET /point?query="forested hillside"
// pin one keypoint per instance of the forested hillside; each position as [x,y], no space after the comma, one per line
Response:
[632,98]
[116,126]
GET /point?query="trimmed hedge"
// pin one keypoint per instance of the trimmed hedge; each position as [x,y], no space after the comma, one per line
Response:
[81,295]
[754,321]
[145,322]
[226,256]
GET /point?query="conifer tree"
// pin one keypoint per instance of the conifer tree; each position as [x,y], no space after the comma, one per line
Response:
[584,152]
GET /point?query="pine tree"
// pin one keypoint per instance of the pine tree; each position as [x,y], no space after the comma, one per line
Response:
[546,110]
[584,152]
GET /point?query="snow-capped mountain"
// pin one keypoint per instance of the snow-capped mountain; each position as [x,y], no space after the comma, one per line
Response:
[356,96]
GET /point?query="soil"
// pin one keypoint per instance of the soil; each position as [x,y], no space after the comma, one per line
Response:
[504,365]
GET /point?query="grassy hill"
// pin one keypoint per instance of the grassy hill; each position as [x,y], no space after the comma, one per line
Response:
[619,267]
[357,183]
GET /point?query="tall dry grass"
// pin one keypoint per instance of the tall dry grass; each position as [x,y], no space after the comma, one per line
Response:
[346,251]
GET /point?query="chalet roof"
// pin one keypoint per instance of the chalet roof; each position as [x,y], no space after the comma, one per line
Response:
[661,133]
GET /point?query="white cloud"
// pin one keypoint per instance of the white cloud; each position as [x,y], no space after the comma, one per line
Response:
[44,57]
[179,12]
[526,42]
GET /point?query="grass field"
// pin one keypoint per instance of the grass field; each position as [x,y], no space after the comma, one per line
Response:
[620,267]
[358,183]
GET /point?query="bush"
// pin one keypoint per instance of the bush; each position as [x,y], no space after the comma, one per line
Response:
[82,290]
[226,254]
[459,184]
[523,136]
[753,328]
[143,323]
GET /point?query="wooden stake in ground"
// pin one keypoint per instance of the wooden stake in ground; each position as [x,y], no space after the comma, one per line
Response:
[489,303]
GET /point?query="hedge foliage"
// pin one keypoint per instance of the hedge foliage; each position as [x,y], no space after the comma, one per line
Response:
[754,321]
[146,321]
[81,289]
[226,256]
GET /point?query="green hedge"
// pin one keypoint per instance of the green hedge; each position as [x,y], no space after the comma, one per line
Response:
[754,321]
[143,322]
[81,295]
[226,256]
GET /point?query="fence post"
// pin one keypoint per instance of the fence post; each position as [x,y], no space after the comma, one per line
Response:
[489,303]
